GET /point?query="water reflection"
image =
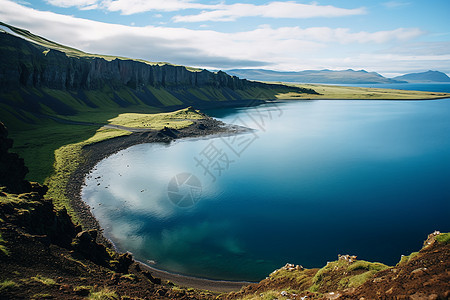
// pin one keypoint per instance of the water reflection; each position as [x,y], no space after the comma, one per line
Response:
[321,178]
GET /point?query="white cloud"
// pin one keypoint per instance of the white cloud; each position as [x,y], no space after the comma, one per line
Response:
[77,3]
[332,35]
[288,48]
[271,10]
[89,7]
[129,7]
[214,12]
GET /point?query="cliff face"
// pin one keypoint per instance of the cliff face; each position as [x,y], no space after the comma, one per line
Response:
[28,64]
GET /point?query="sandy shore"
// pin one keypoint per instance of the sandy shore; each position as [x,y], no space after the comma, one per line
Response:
[96,152]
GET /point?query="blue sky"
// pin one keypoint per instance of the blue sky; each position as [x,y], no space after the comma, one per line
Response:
[390,37]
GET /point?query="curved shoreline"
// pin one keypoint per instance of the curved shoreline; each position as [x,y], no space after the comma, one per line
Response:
[95,153]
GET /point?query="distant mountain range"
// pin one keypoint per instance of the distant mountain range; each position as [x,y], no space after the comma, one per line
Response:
[336,77]
[428,76]
[314,76]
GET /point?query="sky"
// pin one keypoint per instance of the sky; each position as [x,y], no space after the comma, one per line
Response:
[389,37]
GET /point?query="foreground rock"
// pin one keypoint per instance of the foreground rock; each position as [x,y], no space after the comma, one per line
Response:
[12,167]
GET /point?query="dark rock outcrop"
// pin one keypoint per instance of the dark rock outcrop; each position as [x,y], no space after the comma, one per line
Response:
[12,167]
[151,278]
[166,131]
[84,243]
[39,217]
[124,261]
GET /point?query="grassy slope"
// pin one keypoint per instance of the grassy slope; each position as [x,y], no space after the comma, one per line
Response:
[67,158]
[346,92]
[178,119]
[100,105]
[37,145]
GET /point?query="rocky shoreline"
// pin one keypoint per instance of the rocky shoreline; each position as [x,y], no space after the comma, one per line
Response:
[95,153]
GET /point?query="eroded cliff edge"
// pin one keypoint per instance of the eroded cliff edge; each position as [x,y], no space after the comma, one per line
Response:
[27,64]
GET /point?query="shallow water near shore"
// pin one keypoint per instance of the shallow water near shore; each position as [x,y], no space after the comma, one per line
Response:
[314,180]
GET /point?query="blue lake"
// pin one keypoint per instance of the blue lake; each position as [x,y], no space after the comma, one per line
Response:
[314,180]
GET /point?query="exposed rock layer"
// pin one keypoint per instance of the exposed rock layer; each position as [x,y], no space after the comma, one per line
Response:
[28,64]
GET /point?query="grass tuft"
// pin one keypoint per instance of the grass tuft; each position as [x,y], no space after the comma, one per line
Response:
[44,280]
[267,295]
[443,238]
[406,258]
[3,249]
[368,266]
[104,294]
[7,285]
[350,274]
[42,296]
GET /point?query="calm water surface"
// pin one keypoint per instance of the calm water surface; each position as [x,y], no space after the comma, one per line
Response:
[314,180]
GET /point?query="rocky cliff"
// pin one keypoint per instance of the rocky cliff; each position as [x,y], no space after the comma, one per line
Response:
[31,65]
[39,78]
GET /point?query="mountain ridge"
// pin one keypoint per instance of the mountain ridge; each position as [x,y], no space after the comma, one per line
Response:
[428,76]
[348,76]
